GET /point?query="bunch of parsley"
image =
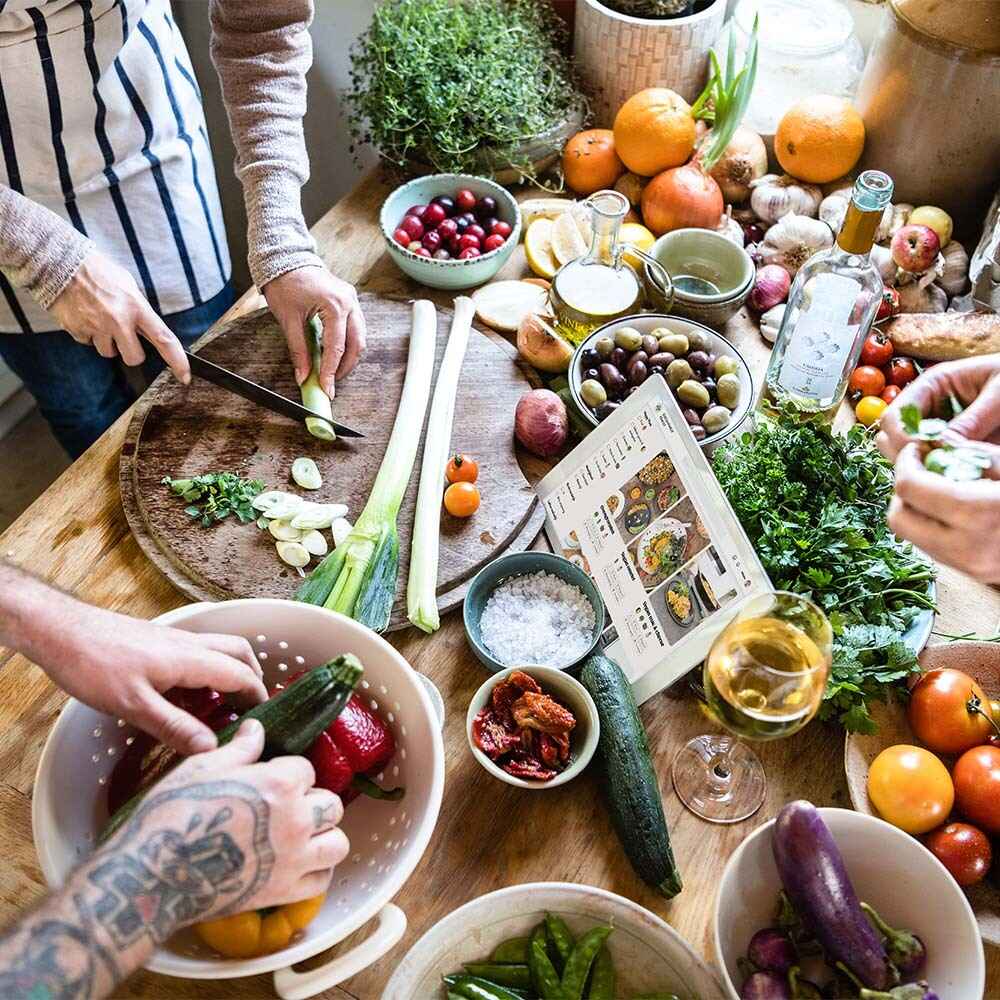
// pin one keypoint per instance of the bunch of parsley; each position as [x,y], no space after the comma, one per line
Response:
[814,507]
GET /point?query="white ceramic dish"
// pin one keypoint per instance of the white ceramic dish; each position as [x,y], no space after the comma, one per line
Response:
[388,838]
[890,870]
[565,689]
[649,955]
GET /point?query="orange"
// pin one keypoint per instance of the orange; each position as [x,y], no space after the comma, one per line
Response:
[819,139]
[654,130]
[590,162]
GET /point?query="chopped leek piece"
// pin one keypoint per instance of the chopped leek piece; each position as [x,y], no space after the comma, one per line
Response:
[314,543]
[313,397]
[358,578]
[283,531]
[275,503]
[340,529]
[293,553]
[306,474]
[421,588]
[317,515]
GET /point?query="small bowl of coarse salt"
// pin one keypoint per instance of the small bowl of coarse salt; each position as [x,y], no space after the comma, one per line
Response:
[532,607]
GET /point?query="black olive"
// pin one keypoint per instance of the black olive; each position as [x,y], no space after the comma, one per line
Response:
[699,433]
[639,356]
[618,357]
[661,358]
[657,370]
[650,344]
[593,373]
[590,358]
[692,417]
[605,410]
[709,383]
[698,360]
[637,372]
[612,380]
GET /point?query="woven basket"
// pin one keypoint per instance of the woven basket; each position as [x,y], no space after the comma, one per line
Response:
[619,55]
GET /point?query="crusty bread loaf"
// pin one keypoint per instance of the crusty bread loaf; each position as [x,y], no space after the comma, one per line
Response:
[944,336]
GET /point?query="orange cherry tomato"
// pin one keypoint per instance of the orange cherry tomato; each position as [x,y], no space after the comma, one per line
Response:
[866,380]
[949,712]
[911,788]
[870,409]
[461,469]
[964,850]
[977,787]
[461,499]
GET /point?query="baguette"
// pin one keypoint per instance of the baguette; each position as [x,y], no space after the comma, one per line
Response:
[944,336]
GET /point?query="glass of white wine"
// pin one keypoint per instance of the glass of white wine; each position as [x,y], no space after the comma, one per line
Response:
[764,679]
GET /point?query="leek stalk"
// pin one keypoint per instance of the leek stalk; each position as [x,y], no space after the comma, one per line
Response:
[358,578]
[421,588]
[313,397]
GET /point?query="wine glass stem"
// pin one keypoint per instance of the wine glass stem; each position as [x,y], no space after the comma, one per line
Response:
[720,772]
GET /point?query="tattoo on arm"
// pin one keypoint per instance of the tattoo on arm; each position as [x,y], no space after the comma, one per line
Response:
[156,876]
[325,817]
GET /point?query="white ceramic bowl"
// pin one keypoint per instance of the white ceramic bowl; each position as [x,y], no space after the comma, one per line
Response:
[387,838]
[891,870]
[565,689]
[649,955]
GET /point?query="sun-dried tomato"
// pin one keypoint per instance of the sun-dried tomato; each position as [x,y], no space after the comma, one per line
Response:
[548,750]
[539,711]
[491,736]
[521,765]
[507,692]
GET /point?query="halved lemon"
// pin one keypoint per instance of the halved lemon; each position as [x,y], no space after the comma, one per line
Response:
[571,236]
[636,235]
[538,248]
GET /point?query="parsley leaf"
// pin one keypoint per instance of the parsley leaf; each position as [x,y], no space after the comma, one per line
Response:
[213,496]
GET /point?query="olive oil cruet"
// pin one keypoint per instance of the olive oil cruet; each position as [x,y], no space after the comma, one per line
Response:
[601,285]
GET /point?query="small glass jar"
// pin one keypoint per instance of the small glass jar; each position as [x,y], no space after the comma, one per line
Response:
[806,47]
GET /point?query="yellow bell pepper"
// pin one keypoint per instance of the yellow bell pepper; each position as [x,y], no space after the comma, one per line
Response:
[258,932]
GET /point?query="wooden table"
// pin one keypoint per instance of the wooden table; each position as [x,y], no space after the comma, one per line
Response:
[488,835]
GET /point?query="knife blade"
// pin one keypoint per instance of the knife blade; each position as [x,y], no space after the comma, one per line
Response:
[273,401]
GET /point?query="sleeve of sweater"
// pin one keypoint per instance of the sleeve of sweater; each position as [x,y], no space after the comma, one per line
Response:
[261,51]
[38,250]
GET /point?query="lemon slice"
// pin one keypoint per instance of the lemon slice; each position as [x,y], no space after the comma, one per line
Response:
[538,248]
[570,236]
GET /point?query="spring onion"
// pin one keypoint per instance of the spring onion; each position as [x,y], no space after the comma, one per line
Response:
[306,474]
[421,588]
[313,396]
[358,578]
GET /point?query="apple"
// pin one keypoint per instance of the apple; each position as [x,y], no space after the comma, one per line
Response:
[936,218]
[915,248]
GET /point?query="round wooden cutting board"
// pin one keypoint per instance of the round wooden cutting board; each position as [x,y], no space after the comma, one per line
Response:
[182,431]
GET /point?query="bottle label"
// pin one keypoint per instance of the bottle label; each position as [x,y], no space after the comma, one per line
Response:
[822,339]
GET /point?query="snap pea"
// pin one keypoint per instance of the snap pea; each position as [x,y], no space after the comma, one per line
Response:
[512,950]
[561,939]
[518,976]
[574,977]
[543,972]
[474,988]
[602,979]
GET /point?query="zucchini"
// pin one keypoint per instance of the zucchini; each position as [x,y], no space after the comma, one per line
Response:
[293,720]
[633,793]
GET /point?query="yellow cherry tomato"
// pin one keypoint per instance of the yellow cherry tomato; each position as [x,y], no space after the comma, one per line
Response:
[258,932]
[869,409]
[461,469]
[910,788]
[461,499]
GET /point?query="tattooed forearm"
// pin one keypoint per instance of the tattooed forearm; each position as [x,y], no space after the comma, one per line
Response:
[170,866]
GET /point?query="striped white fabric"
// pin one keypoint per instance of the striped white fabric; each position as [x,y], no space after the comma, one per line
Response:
[101,122]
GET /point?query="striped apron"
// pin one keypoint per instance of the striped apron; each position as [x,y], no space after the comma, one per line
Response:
[101,122]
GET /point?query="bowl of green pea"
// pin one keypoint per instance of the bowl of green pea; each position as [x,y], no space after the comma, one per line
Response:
[552,939]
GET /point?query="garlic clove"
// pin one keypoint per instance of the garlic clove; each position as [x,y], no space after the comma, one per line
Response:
[955,272]
[770,322]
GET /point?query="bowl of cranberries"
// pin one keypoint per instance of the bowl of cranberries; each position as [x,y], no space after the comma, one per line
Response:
[451,230]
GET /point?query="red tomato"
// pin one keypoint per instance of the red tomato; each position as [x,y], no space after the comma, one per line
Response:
[890,392]
[902,371]
[964,850]
[888,306]
[977,787]
[866,380]
[943,715]
[877,350]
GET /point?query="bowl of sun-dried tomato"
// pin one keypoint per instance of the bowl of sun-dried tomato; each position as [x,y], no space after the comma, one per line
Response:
[533,727]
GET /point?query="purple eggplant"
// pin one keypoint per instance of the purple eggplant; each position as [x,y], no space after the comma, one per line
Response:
[813,874]
[905,950]
[765,986]
[909,991]
[771,950]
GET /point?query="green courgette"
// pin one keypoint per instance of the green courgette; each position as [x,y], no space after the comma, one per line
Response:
[293,720]
[633,792]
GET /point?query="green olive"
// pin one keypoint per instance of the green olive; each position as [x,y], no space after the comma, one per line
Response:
[604,347]
[693,393]
[728,390]
[678,371]
[628,338]
[715,419]
[592,392]
[697,339]
[675,343]
[725,364]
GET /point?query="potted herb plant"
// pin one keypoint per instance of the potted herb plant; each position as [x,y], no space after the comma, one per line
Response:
[623,46]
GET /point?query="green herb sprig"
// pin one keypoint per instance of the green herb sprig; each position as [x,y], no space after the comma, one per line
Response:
[958,462]
[213,496]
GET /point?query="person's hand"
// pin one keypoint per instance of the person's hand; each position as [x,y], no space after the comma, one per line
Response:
[122,666]
[102,306]
[975,383]
[954,523]
[295,297]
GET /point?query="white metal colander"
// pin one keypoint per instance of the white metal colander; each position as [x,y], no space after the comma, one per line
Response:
[387,838]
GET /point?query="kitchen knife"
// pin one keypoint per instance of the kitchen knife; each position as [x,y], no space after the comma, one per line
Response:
[273,401]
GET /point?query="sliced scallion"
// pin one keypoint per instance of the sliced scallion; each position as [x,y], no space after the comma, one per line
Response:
[306,474]
[313,397]
[293,553]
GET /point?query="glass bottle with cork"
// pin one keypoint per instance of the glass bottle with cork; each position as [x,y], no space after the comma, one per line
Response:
[831,308]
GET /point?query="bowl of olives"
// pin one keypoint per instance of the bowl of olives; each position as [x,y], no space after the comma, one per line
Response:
[707,375]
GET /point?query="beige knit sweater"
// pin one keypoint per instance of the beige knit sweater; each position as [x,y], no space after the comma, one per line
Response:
[261,50]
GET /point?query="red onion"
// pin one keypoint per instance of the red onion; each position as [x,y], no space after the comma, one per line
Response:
[541,423]
[771,289]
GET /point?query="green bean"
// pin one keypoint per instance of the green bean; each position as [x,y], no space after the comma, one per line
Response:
[518,976]
[543,972]
[474,988]
[574,977]
[561,939]
[512,950]
[602,979]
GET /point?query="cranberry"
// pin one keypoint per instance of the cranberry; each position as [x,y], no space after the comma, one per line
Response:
[468,252]
[422,252]
[488,224]
[461,224]
[477,231]
[486,206]
[448,204]
[417,210]
[402,237]
[442,254]
[469,241]
[493,242]
[433,216]
[432,240]
[465,200]
[453,245]
[469,217]
[413,226]
[448,229]
[501,228]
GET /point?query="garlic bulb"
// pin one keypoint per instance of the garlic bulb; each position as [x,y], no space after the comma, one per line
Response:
[914,298]
[900,213]
[773,197]
[793,240]
[884,264]
[770,322]
[730,228]
[833,211]
[955,272]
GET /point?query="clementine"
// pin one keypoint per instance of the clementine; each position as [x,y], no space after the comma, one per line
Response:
[819,139]
[654,130]
[590,162]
